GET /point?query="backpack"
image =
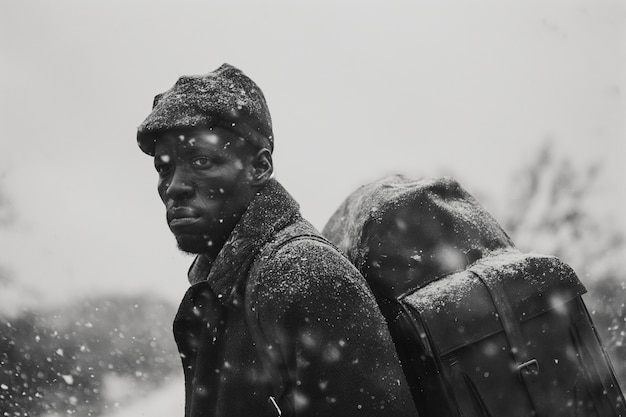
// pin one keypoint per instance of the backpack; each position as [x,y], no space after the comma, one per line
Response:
[481,329]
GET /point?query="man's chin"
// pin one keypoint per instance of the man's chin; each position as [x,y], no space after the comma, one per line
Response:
[193,244]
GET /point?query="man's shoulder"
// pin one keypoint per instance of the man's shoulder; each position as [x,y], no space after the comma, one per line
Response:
[297,245]
[300,260]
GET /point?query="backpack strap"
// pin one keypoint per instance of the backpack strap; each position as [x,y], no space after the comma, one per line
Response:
[527,367]
[272,358]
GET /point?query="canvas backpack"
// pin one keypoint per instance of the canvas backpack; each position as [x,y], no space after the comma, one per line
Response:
[481,328]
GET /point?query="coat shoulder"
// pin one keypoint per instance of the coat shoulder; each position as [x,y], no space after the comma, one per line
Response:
[304,269]
[310,255]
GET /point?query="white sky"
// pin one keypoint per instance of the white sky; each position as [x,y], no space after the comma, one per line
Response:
[357,90]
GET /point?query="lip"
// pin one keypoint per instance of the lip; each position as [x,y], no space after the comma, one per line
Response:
[181,217]
[183,222]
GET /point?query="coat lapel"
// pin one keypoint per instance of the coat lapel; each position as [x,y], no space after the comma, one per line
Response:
[271,210]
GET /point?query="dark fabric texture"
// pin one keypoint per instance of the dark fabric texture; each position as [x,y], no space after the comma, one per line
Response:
[422,219]
[316,314]
[481,329]
[439,216]
[225,97]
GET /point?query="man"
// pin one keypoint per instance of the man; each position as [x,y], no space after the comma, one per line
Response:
[276,321]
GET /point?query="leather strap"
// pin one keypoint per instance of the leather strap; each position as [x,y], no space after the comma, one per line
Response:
[609,400]
[526,366]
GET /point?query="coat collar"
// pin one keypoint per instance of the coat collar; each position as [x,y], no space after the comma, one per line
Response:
[271,211]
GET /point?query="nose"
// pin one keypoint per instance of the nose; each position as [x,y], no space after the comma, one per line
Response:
[179,187]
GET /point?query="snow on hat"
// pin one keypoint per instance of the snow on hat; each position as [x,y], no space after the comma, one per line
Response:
[225,97]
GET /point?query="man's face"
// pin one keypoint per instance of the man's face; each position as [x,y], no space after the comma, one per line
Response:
[205,182]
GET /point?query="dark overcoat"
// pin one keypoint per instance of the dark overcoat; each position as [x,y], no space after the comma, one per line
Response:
[281,322]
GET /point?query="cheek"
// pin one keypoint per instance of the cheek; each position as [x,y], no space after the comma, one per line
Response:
[162,188]
[228,185]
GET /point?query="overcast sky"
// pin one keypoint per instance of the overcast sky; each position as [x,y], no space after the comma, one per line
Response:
[357,90]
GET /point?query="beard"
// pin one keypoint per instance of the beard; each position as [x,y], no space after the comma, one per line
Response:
[206,240]
[195,244]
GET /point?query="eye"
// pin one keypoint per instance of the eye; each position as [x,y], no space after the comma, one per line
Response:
[163,169]
[202,162]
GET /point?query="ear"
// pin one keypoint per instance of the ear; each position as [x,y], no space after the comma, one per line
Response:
[263,167]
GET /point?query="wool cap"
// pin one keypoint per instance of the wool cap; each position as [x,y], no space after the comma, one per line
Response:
[225,97]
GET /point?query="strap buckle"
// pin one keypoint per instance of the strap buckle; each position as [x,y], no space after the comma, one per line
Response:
[528,368]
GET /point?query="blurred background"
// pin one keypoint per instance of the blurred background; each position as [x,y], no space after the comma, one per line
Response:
[521,101]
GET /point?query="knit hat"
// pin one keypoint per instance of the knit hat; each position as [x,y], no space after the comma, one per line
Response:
[225,97]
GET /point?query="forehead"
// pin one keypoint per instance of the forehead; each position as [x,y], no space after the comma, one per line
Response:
[205,138]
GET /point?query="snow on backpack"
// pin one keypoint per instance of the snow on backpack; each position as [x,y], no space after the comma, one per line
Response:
[481,329]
